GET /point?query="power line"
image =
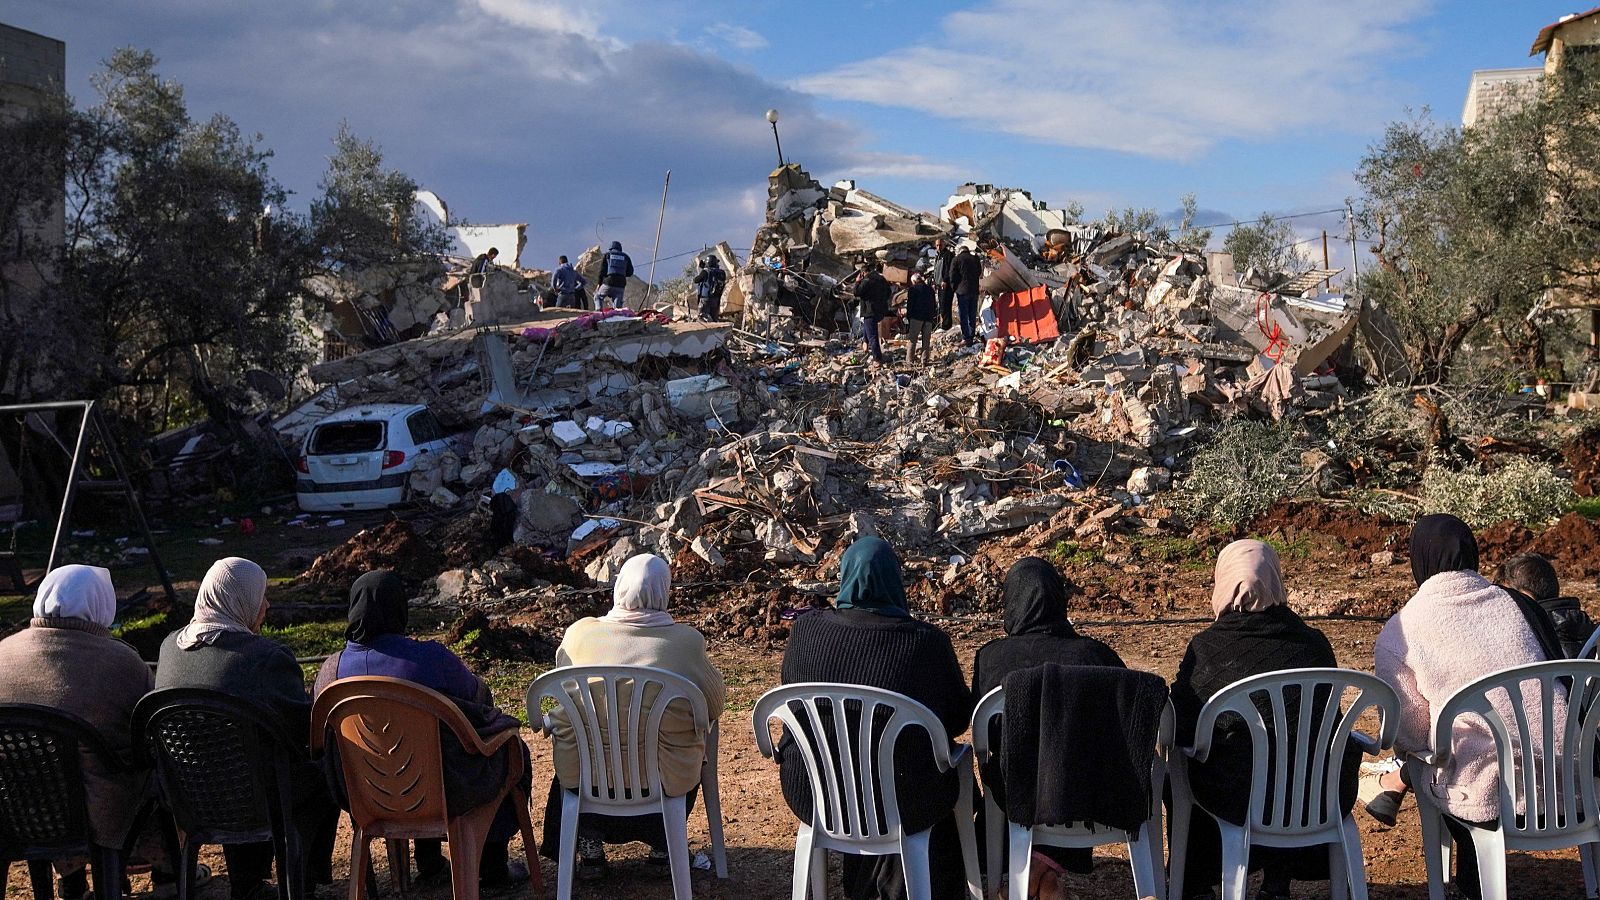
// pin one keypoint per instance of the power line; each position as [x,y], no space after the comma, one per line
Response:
[1320,212]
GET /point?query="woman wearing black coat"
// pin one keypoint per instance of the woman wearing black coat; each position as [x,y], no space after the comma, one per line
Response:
[1255,633]
[1037,632]
[871,639]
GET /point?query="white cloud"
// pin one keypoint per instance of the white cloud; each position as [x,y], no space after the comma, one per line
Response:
[1160,78]
[543,15]
[871,164]
[737,36]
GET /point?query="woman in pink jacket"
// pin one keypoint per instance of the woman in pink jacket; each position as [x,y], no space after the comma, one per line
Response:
[1457,628]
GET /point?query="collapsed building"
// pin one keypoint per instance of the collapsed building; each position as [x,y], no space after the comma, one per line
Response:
[757,448]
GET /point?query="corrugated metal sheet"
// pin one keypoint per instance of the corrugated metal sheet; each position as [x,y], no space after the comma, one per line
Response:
[1547,34]
[1026,316]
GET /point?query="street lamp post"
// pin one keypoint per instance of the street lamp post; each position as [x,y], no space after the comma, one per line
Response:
[772,119]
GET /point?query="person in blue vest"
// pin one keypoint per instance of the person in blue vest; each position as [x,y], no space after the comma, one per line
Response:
[616,268]
[708,285]
[566,282]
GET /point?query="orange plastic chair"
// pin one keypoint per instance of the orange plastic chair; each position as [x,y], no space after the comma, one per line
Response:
[387,734]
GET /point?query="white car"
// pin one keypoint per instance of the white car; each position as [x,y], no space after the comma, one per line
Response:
[362,457]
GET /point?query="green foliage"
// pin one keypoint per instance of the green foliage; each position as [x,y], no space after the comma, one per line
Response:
[1269,244]
[1146,222]
[1522,490]
[1588,507]
[1188,235]
[1299,548]
[1242,471]
[1473,229]
[364,216]
[1188,553]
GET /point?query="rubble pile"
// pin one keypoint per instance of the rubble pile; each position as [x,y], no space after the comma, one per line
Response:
[751,456]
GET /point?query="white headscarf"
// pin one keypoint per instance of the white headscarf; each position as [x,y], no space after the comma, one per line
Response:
[77,592]
[230,599]
[641,592]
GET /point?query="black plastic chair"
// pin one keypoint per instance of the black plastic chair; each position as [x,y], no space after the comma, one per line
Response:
[224,770]
[44,812]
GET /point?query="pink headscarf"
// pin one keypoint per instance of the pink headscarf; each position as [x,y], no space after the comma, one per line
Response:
[1248,579]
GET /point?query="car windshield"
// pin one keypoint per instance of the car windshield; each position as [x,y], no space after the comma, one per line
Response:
[347,437]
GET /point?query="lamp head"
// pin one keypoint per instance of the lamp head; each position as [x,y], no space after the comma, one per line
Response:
[772,116]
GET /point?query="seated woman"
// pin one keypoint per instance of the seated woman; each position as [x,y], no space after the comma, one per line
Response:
[871,639]
[376,644]
[1255,632]
[221,649]
[1037,632]
[66,659]
[1457,628]
[638,631]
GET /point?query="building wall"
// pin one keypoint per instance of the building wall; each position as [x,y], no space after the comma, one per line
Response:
[33,71]
[1494,91]
[1580,32]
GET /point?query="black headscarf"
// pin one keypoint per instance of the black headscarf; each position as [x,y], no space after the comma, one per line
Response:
[378,607]
[1441,543]
[1035,597]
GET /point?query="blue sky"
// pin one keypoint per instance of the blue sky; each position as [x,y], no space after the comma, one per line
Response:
[566,114]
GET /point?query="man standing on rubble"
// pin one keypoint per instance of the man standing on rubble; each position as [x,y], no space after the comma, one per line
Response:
[966,273]
[873,293]
[566,282]
[483,262]
[708,284]
[616,268]
[939,277]
[920,313]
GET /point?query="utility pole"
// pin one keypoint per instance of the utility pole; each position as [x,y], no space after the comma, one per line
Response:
[1355,262]
[656,253]
[1327,283]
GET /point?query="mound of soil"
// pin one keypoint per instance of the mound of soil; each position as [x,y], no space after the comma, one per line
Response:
[463,541]
[1582,457]
[1361,533]
[392,545]
[1572,543]
[476,635]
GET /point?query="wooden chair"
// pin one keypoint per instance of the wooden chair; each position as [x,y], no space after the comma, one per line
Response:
[387,732]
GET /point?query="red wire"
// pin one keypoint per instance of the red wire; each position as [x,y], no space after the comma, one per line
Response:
[1269,328]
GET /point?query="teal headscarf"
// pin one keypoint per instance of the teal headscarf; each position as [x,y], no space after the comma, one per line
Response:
[869,579]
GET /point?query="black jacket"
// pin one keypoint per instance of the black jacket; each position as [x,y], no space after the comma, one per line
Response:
[247,666]
[909,657]
[943,267]
[874,292]
[709,282]
[920,303]
[1238,645]
[966,273]
[1573,625]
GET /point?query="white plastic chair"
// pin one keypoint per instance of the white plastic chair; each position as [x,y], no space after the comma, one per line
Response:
[622,777]
[853,775]
[1305,788]
[1557,791]
[1590,646]
[1144,848]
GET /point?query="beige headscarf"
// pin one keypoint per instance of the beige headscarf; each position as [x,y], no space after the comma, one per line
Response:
[230,599]
[641,593]
[1248,579]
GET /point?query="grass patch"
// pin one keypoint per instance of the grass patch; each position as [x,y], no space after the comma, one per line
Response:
[1588,507]
[1188,553]
[1068,555]
[1299,548]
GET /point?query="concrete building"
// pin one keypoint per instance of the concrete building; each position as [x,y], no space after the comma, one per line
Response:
[1493,91]
[33,74]
[1571,36]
